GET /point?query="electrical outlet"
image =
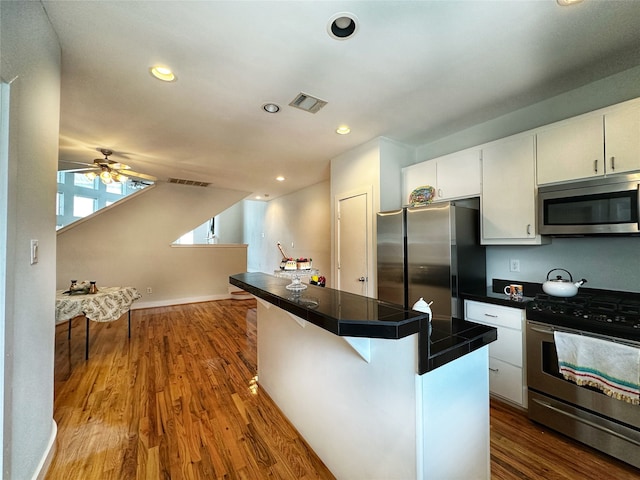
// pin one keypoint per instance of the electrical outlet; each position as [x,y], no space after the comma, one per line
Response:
[514,265]
[149,290]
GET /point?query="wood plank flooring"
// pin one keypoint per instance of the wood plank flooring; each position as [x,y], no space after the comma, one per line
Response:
[180,400]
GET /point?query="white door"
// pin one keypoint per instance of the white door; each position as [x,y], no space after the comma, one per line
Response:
[353,244]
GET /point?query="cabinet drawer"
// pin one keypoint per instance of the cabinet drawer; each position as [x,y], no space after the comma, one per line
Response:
[494,315]
[505,380]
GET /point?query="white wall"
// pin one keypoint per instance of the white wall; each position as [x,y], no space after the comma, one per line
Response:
[129,243]
[229,224]
[608,262]
[300,221]
[31,62]
[375,166]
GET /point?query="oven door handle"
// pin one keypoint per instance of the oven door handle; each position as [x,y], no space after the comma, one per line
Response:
[549,331]
[587,422]
[542,330]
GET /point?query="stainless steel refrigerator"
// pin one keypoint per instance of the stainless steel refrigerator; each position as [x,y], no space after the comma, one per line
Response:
[432,252]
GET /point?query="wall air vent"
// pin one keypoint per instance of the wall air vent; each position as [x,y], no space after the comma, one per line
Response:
[192,183]
[307,103]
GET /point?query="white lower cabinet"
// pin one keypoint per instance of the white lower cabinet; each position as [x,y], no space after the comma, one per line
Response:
[506,355]
[505,380]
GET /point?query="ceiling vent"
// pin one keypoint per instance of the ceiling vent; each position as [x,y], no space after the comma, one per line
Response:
[307,103]
[192,183]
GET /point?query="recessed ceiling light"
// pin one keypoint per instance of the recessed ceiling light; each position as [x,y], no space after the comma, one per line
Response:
[163,73]
[566,3]
[271,108]
[280,178]
[342,25]
[258,197]
[343,130]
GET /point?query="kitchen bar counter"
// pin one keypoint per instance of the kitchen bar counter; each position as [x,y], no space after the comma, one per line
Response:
[350,315]
[373,390]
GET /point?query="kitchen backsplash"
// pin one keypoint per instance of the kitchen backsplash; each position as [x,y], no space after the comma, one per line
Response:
[606,262]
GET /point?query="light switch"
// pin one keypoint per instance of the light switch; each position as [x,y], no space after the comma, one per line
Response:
[34,252]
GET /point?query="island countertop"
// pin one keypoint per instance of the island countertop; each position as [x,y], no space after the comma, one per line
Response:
[350,315]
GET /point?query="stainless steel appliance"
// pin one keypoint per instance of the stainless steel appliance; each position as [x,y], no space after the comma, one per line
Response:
[431,252]
[608,205]
[583,413]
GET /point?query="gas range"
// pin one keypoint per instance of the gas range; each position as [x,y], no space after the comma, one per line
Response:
[607,313]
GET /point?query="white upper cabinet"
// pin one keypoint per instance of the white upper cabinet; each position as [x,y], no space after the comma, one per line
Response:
[417,175]
[457,175]
[508,205]
[571,150]
[605,142]
[622,140]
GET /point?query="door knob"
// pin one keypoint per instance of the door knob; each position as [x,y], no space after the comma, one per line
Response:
[362,279]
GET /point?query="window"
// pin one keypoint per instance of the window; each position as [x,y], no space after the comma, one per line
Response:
[78,196]
[114,187]
[83,206]
[60,203]
[81,180]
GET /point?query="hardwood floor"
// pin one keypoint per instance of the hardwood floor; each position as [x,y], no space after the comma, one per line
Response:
[179,400]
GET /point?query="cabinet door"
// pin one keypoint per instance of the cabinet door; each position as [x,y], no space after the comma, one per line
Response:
[417,175]
[508,189]
[459,175]
[506,380]
[622,140]
[571,150]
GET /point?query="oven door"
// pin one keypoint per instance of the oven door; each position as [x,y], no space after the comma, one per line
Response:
[543,376]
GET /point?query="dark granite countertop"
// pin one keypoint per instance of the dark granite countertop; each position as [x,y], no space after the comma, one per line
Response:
[495,295]
[495,298]
[351,315]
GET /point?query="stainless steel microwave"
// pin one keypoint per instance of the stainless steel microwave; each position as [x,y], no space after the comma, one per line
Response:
[603,206]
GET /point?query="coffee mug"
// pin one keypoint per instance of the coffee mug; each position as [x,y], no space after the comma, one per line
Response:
[514,291]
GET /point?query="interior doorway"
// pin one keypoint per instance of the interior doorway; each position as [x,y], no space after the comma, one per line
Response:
[353,241]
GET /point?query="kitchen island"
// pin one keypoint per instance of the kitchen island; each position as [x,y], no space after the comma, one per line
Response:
[376,390]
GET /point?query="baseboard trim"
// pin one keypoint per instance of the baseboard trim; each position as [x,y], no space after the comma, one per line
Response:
[47,458]
[179,301]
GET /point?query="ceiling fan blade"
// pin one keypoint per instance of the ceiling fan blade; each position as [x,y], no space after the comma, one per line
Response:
[143,176]
[65,165]
[81,170]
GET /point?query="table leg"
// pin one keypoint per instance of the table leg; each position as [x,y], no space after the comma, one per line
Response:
[86,348]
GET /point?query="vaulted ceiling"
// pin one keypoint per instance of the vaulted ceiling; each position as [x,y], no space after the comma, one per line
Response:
[413,71]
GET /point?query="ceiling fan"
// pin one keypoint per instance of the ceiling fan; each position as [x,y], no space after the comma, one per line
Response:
[111,171]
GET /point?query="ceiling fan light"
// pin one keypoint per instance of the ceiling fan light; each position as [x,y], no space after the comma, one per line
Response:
[105,176]
[118,177]
[90,175]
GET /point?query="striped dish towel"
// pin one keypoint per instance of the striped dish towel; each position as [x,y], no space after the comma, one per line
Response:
[611,367]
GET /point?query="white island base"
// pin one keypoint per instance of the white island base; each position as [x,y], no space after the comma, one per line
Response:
[364,409]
